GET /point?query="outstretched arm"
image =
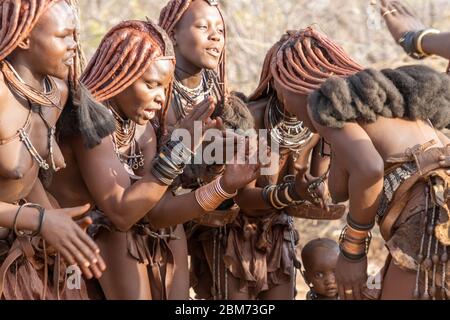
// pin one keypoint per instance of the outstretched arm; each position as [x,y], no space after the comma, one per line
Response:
[400,20]
[173,210]
[109,183]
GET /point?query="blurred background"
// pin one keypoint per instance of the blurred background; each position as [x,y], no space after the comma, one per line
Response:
[253,26]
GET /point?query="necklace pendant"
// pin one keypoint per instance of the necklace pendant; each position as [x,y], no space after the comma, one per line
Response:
[126,127]
[135,164]
[128,169]
[44,165]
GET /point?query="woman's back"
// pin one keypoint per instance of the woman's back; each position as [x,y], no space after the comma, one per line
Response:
[392,137]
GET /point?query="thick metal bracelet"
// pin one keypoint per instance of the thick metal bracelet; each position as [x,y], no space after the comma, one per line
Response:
[357,226]
[356,241]
[408,42]
[353,257]
[41,211]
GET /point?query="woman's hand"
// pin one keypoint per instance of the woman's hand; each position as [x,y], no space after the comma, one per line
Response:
[351,278]
[238,175]
[399,18]
[312,189]
[200,114]
[68,238]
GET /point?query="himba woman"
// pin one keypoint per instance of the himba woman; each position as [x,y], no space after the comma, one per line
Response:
[38,54]
[197,30]
[260,254]
[125,173]
[382,128]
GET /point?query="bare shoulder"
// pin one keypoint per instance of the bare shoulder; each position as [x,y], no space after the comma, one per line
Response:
[3,90]
[257,109]
[12,115]
[98,155]
[63,88]
[171,119]
[323,131]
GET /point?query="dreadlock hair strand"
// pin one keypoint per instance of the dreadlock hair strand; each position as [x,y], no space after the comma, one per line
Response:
[124,54]
[17,20]
[409,92]
[307,59]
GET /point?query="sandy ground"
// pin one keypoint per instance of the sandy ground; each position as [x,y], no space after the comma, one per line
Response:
[311,229]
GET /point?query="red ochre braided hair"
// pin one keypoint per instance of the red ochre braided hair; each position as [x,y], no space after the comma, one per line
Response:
[19,17]
[124,54]
[302,61]
[339,91]
[172,13]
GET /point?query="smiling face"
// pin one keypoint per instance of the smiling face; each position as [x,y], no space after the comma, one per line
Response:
[199,37]
[146,96]
[50,48]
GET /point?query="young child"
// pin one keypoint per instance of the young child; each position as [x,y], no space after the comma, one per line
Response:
[319,258]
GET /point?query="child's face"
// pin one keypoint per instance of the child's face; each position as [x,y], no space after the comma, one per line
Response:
[321,273]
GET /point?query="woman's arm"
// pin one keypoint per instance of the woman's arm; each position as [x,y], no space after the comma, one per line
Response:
[58,229]
[173,210]
[338,181]
[110,186]
[400,20]
[365,168]
[250,198]
[438,44]
[251,201]
[363,165]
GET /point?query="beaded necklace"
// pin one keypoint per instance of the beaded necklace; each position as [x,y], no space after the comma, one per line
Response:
[285,130]
[125,135]
[186,98]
